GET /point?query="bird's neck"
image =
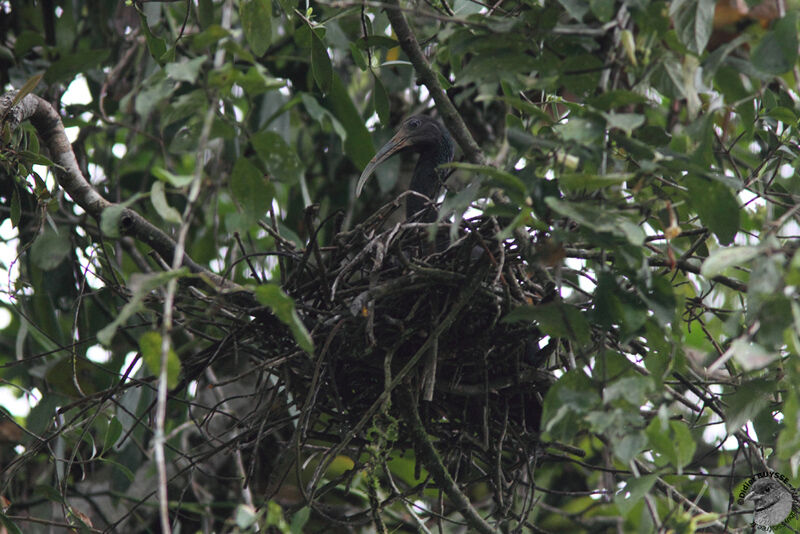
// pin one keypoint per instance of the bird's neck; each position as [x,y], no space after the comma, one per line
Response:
[427,180]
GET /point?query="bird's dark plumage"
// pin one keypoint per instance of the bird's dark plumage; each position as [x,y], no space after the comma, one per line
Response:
[435,146]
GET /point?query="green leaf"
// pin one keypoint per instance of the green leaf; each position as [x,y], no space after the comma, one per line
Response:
[321,66]
[717,207]
[358,57]
[50,248]
[109,220]
[776,53]
[9,525]
[250,190]
[615,98]
[299,520]
[555,319]
[323,116]
[693,22]
[256,17]
[380,99]
[592,182]
[789,437]
[510,183]
[16,208]
[627,122]
[358,146]
[185,71]
[283,307]
[159,200]
[751,356]
[598,219]
[723,258]
[572,395]
[150,347]
[634,491]
[113,432]
[280,159]
[746,402]
[176,180]
[27,88]
[673,441]
[156,45]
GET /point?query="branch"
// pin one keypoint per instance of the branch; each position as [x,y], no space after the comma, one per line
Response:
[683,265]
[433,463]
[451,117]
[51,130]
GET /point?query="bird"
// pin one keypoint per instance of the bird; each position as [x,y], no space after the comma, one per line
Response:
[432,141]
[772,500]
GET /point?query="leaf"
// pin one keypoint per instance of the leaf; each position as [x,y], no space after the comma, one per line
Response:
[693,21]
[50,248]
[555,319]
[320,114]
[159,200]
[776,53]
[185,71]
[27,88]
[321,66]
[9,525]
[598,219]
[176,180]
[592,182]
[109,220]
[113,432]
[358,146]
[256,17]
[150,345]
[283,307]
[674,442]
[723,258]
[299,520]
[717,207]
[627,122]
[250,190]
[746,402]
[510,183]
[572,395]
[16,208]
[280,159]
[751,356]
[358,57]
[380,99]
[634,491]
[156,45]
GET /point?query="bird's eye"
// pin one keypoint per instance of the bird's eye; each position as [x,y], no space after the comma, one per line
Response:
[412,124]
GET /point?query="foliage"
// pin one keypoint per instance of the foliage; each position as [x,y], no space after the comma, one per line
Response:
[640,161]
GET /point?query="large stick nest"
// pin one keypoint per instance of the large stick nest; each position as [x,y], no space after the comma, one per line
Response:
[418,306]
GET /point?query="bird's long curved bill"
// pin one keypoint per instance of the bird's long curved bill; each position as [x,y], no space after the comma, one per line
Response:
[394,145]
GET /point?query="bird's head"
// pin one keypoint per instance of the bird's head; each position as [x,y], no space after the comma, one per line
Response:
[419,133]
[772,500]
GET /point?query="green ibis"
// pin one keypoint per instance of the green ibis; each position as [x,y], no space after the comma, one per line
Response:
[435,146]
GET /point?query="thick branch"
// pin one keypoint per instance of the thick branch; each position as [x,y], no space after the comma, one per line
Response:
[51,130]
[451,117]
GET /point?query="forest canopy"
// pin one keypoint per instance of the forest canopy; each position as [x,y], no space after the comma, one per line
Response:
[208,331]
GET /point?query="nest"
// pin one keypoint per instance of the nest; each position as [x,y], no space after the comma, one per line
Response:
[416,307]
